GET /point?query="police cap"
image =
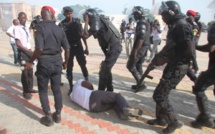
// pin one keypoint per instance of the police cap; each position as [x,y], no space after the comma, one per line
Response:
[67,9]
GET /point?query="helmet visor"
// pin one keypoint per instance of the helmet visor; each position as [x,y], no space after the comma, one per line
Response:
[81,13]
[163,8]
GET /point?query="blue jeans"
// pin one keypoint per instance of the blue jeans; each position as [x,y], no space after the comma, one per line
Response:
[15,53]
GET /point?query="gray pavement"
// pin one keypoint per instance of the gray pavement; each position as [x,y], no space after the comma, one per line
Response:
[20,116]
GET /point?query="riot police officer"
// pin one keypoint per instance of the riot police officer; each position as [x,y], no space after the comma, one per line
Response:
[109,40]
[190,19]
[140,46]
[74,32]
[179,40]
[197,18]
[205,79]
[33,24]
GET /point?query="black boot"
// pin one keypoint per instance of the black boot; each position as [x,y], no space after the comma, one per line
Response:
[204,118]
[172,127]
[140,88]
[47,120]
[57,116]
[159,120]
[172,121]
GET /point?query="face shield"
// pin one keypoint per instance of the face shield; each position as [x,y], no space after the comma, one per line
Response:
[163,8]
[81,14]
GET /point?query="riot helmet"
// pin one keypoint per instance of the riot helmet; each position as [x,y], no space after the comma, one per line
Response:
[38,18]
[197,17]
[138,12]
[91,12]
[168,10]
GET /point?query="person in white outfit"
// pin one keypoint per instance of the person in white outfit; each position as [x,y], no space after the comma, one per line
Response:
[10,33]
[99,101]
[129,36]
[156,33]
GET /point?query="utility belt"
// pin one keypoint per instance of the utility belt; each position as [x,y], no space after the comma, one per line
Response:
[75,43]
[49,56]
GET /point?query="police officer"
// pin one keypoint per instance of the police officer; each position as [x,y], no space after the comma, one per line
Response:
[197,18]
[74,31]
[140,46]
[179,40]
[33,24]
[122,30]
[49,40]
[205,79]
[109,40]
[190,19]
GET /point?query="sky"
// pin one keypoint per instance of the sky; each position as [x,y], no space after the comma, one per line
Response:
[117,6]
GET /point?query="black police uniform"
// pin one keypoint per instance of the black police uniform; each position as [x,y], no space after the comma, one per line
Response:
[73,30]
[35,22]
[122,30]
[181,33]
[195,28]
[205,79]
[109,41]
[135,65]
[50,38]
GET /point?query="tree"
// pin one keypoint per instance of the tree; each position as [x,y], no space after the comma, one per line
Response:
[76,10]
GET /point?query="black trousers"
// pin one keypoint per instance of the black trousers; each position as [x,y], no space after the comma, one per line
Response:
[104,100]
[49,70]
[27,74]
[172,75]
[205,79]
[78,52]
[105,75]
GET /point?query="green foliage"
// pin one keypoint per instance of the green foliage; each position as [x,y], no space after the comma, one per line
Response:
[76,9]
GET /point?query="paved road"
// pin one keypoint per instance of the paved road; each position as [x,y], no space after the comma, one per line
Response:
[20,116]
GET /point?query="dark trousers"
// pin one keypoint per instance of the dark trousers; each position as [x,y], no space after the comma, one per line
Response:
[135,65]
[205,79]
[15,52]
[78,52]
[47,70]
[27,74]
[103,100]
[172,75]
[105,75]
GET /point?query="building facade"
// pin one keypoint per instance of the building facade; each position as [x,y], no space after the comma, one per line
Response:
[11,10]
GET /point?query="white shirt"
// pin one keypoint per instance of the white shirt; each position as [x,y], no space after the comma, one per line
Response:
[81,95]
[156,35]
[132,26]
[22,33]
[11,31]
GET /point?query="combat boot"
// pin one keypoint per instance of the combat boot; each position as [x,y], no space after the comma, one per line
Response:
[140,88]
[172,127]
[57,116]
[203,120]
[47,120]
[160,122]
